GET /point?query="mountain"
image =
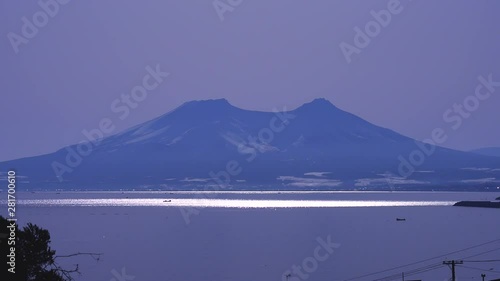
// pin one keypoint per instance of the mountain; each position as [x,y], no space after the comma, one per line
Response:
[214,144]
[488,151]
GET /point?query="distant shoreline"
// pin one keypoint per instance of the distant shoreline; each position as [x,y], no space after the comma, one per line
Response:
[478,204]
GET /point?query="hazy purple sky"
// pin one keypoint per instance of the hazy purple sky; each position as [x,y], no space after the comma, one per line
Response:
[264,54]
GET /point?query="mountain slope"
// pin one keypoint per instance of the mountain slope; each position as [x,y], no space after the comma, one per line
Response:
[213,142]
[488,151]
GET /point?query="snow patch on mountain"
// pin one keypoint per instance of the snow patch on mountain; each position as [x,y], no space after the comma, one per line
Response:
[483,180]
[317,174]
[475,169]
[309,182]
[146,134]
[195,180]
[387,180]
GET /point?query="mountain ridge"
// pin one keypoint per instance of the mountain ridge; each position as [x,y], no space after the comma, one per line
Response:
[488,151]
[200,138]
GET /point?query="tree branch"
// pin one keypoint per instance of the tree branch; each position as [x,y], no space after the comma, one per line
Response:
[95,256]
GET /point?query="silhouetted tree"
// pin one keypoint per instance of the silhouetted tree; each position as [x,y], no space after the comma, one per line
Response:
[35,260]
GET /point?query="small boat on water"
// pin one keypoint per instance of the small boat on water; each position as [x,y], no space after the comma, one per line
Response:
[167,200]
[400,219]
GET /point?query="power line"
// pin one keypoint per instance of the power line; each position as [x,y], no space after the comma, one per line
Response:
[480,269]
[483,253]
[483,261]
[407,273]
[426,270]
[412,272]
[429,259]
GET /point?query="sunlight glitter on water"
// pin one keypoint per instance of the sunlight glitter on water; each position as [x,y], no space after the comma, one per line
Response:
[229,203]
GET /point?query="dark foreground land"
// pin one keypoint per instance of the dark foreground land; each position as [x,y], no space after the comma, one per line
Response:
[480,204]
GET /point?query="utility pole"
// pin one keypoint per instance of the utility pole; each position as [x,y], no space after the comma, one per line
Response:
[453,263]
[483,275]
